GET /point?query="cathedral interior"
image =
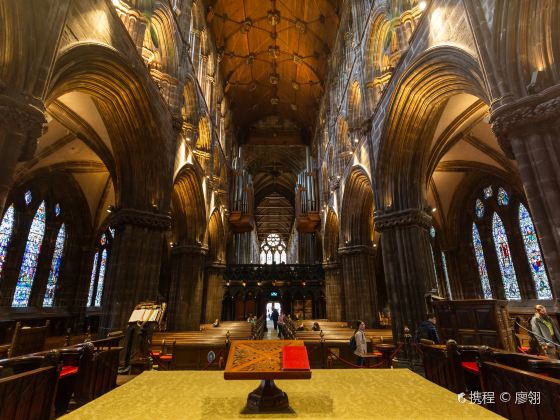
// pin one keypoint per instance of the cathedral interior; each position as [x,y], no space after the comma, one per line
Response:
[342,160]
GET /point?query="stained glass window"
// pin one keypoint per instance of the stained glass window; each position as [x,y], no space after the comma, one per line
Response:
[103,239]
[30,258]
[28,197]
[503,198]
[48,300]
[511,288]
[57,209]
[101,278]
[273,249]
[479,209]
[533,251]
[488,191]
[481,263]
[434,264]
[6,228]
[432,232]
[92,280]
[446,275]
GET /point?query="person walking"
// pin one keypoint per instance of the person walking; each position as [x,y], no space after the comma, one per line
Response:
[274,317]
[361,343]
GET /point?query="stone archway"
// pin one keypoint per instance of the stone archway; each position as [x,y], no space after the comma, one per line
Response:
[334,291]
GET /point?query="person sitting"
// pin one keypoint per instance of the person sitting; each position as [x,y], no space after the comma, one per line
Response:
[250,318]
[315,327]
[301,327]
[216,323]
[545,333]
[427,330]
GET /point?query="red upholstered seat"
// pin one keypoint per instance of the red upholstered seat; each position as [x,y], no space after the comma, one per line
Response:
[377,354]
[470,367]
[67,371]
[155,353]
[166,357]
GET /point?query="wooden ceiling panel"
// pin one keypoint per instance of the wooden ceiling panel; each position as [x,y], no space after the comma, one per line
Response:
[274,56]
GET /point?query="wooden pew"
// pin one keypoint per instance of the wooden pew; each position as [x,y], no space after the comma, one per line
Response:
[498,379]
[29,394]
[28,340]
[195,355]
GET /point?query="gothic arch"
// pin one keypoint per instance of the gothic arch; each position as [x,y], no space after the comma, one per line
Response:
[411,119]
[357,210]
[189,208]
[330,241]
[355,106]
[216,239]
[137,119]
[161,34]
[204,134]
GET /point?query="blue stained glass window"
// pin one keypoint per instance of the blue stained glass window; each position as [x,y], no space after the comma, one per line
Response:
[488,191]
[57,209]
[112,230]
[533,251]
[446,274]
[48,300]
[6,228]
[432,232]
[30,259]
[102,268]
[479,209]
[481,262]
[434,264]
[503,197]
[92,280]
[28,197]
[103,239]
[509,279]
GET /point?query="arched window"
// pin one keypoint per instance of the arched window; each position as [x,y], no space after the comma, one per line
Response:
[509,279]
[48,300]
[273,249]
[534,255]
[6,229]
[100,262]
[446,275]
[30,259]
[481,263]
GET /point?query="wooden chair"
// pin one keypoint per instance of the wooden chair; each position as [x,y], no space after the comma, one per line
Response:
[28,340]
[29,394]
[164,357]
[97,373]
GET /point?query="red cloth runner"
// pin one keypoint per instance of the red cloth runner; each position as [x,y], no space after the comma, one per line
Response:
[294,358]
[67,371]
[470,366]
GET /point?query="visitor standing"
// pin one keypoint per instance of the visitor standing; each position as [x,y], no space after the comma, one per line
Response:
[361,343]
[427,330]
[274,317]
[281,322]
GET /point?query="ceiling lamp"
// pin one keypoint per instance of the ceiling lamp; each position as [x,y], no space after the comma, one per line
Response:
[273,17]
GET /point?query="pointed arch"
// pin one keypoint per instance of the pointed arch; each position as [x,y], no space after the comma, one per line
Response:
[509,279]
[357,210]
[6,230]
[189,208]
[216,239]
[331,237]
[48,299]
[30,258]
[533,253]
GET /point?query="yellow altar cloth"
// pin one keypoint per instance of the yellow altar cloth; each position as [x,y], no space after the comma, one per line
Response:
[338,393]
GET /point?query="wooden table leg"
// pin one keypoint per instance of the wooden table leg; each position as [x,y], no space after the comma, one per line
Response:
[267,398]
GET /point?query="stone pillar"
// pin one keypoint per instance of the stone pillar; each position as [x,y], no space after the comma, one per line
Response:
[134,265]
[528,130]
[187,287]
[407,261]
[334,292]
[360,288]
[20,127]
[214,292]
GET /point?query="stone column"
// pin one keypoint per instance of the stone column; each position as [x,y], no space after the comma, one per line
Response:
[528,130]
[407,261]
[187,287]
[134,265]
[20,127]
[360,288]
[214,292]
[334,292]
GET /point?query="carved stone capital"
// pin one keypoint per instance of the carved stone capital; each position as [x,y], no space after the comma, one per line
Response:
[528,112]
[356,250]
[409,217]
[141,218]
[189,250]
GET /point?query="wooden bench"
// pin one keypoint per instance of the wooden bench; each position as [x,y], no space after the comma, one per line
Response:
[27,388]
[499,379]
[28,340]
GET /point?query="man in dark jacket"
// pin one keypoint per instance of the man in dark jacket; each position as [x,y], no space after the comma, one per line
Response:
[427,330]
[274,318]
